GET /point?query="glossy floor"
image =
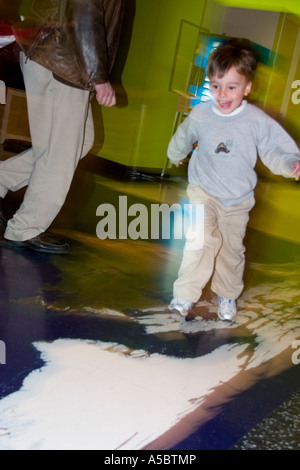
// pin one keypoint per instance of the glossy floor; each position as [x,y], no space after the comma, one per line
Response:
[94,360]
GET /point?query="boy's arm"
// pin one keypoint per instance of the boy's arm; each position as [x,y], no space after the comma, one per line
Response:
[279,152]
[182,142]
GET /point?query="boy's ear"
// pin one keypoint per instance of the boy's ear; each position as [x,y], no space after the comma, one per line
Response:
[248,89]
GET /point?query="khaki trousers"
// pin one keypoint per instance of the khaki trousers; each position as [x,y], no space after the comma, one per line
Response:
[222,256]
[62,132]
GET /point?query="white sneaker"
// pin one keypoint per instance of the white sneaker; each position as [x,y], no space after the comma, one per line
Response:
[227,309]
[182,306]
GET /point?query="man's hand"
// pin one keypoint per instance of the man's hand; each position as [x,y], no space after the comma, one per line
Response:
[105,94]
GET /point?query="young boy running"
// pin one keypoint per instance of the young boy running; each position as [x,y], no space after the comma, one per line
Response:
[230,133]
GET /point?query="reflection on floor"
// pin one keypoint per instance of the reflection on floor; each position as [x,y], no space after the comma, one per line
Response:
[95,361]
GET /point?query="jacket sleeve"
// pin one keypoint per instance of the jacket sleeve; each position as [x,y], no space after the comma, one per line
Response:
[86,19]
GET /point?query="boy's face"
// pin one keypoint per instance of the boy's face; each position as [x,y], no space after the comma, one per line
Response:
[230,90]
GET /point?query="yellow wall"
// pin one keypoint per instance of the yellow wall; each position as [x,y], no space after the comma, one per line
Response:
[138,134]
[291,6]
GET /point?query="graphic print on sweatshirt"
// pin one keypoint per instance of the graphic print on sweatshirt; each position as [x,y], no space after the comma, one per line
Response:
[223,148]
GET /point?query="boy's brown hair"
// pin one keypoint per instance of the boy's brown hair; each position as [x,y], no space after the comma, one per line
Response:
[234,53]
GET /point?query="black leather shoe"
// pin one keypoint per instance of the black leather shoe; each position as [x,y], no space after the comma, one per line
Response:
[42,244]
[3,220]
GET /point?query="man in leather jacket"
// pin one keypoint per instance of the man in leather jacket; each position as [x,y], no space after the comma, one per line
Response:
[59,108]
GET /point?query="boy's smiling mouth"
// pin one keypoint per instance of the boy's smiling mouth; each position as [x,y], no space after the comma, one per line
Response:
[225,104]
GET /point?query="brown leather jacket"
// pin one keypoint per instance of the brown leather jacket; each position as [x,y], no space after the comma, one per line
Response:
[94,28]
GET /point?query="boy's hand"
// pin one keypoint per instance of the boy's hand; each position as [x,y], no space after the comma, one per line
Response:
[296,172]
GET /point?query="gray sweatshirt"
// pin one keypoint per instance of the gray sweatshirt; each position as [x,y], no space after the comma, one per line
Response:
[228,147]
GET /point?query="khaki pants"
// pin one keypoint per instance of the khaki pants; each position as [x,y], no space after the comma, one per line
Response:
[62,132]
[222,256]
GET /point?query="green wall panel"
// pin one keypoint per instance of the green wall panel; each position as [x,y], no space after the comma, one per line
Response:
[137,134]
